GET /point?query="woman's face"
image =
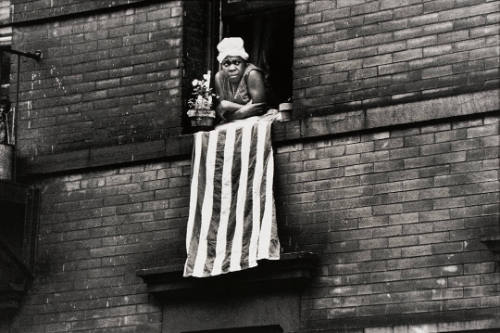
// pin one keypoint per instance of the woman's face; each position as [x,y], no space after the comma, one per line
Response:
[233,67]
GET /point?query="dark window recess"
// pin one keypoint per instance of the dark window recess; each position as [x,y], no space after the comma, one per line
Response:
[18,221]
[4,73]
[265,26]
[267,29]
[17,225]
[11,226]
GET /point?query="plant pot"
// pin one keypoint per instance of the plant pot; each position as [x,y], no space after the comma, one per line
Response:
[6,161]
[201,119]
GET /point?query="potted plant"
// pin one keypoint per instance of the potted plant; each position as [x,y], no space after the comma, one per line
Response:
[201,113]
[6,140]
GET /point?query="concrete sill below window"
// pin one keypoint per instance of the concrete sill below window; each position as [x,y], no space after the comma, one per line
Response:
[293,270]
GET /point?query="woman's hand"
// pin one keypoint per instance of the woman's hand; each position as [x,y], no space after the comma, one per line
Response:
[247,110]
[227,110]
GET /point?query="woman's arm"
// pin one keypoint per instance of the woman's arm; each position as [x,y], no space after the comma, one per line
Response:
[246,111]
[222,106]
[257,91]
[256,86]
[228,110]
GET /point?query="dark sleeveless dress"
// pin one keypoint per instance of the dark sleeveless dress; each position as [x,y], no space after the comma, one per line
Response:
[240,95]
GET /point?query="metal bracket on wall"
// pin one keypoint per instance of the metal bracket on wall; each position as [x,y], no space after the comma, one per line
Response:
[37,55]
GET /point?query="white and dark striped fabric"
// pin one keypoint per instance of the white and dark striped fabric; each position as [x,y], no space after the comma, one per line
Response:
[232,221]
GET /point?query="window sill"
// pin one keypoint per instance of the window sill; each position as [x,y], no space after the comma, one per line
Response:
[293,270]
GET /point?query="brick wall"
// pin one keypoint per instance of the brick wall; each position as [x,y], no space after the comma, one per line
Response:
[352,54]
[27,10]
[395,216]
[96,229]
[106,78]
[116,77]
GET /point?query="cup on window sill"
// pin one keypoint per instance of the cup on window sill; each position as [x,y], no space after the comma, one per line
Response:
[285,110]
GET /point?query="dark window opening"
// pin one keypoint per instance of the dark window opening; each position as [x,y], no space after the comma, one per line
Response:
[4,72]
[267,29]
[265,26]
[18,222]
[12,225]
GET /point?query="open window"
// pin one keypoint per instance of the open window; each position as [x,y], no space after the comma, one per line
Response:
[267,29]
[265,26]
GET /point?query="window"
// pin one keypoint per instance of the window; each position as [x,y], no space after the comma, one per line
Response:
[18,204]
[267,29]
[4,72]
[265,26]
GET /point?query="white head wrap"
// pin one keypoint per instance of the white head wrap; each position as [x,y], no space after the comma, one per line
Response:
[231,46]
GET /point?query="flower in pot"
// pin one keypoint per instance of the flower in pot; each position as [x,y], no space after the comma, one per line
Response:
[201,113]
[6,140]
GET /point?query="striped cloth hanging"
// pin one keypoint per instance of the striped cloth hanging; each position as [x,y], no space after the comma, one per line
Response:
[232,222]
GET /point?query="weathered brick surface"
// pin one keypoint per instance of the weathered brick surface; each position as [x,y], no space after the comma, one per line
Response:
[96,229]
[365,53]
[105,79]
[397,217]
[41,9]
[118,76]
[394,214]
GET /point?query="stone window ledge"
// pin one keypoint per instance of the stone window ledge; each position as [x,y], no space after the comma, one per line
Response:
[293,270]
